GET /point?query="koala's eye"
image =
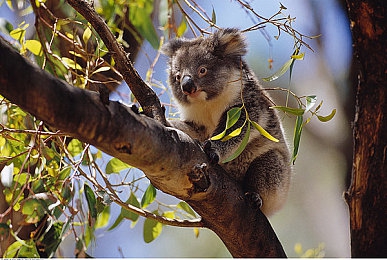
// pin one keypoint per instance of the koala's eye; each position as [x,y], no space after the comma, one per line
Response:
[178,77]
[202,71]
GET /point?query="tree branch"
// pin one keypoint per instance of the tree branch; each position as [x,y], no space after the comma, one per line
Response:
[173,162]
[144,94]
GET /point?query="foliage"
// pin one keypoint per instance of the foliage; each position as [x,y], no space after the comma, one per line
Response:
[317,252]
[64,187]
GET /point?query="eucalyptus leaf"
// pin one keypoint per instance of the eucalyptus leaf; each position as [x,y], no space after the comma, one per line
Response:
[264,132]
[234,133]
[232,117]
[75,147]
[129,214]
[86,35]
[290,110]
[241,147]
[310,102]
[149,196]
[115,166]
[328,117]
[279,72]
[91,201]
[213,16]
[182,28]
[152,229]
[34,46]
[184,206]
[297,137]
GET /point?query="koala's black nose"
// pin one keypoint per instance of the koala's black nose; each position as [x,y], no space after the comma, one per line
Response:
[187,85]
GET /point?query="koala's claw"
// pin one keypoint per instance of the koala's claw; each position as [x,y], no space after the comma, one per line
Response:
[211,153]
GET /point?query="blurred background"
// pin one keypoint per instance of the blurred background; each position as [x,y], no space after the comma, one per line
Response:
[316,214]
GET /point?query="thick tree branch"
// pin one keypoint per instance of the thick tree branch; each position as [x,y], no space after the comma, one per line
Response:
[172,161]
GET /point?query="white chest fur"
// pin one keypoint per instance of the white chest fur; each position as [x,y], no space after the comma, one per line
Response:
[208,112]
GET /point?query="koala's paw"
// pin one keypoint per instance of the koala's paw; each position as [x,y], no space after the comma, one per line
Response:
[199,177]
[254,199]
[135,109]
[211,152]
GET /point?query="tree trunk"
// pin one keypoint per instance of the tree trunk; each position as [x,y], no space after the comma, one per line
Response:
[367,195]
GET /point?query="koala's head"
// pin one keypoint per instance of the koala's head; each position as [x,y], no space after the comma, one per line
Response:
[200,69]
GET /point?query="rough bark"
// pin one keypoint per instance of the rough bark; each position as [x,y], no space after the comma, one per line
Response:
[172,161]
[367,195]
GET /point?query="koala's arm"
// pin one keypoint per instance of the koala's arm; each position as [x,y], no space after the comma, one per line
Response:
[189,128]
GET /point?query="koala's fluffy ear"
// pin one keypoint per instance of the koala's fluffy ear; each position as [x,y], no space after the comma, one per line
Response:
[229,42]
[171,47]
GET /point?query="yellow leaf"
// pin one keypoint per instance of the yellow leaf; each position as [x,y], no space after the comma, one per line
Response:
[72,64]
[264,132]
[34,46]
[86,35]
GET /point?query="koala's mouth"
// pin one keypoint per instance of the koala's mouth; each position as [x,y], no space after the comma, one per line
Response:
[193,94]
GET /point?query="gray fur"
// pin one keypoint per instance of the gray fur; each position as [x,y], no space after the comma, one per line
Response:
[207,77]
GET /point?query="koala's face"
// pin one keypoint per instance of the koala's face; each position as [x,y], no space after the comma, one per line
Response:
[202,68]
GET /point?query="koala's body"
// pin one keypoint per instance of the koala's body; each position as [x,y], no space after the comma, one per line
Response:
[208,77]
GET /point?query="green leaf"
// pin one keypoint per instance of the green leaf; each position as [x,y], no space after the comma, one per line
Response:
[328,117]
[22,249]
[4,230]
[75,147]
[297,137]
[287,66]
[213,16]
[264,132]
[127,213]
[103,218]
[241,147]
[184,206]
[152,229]
[64,173]
[310,102]
[5,26]
[53,238]
[232,117]
[290,110]
[34,210]
[115,166]
[34,46]
[117,221]
[279,72]
[91,201]
[140,16]
[149,196]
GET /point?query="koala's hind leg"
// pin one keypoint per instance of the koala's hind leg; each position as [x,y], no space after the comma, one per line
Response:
[269,176]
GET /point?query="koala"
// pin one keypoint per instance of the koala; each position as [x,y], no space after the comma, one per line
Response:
[208,77]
